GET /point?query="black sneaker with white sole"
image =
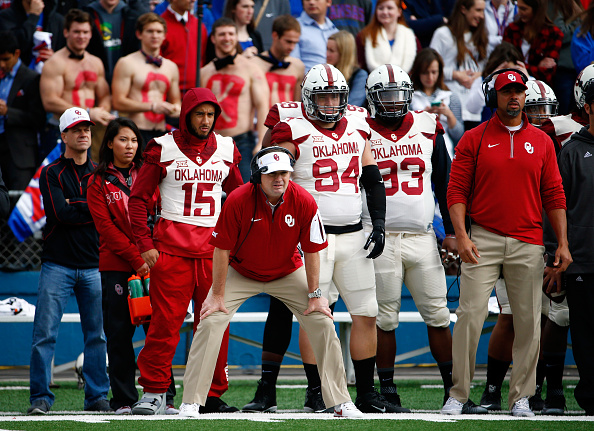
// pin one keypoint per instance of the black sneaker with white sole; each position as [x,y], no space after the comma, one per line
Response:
[491,399]
[394,399]
[374,402]
[217,405]
[38,407]
[314,403]
[554,405]
[264,400]
[470,408]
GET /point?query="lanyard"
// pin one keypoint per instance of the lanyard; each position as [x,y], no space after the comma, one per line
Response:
[501,26]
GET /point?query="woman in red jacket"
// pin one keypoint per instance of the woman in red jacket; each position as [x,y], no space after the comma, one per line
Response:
[107,195]
[537,38]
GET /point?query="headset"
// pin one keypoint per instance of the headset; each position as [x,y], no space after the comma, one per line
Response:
[256,173]
[491,93]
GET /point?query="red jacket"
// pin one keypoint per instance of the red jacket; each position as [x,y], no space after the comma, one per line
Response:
[172,237]
[516,176]
[109,208]
[181,47]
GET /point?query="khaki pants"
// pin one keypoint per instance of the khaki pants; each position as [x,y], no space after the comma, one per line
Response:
[292,290]
[523,273]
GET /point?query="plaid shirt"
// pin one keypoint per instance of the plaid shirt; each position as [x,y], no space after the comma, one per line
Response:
[546,44]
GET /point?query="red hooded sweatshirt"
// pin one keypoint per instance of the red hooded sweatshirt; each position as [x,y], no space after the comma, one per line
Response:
[174,237]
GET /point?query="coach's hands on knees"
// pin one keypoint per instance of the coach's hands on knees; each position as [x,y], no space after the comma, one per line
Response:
[378,237]
[319,305]
[211,304]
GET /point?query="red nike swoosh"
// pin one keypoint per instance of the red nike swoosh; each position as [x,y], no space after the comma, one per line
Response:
[412,136]
[216,161]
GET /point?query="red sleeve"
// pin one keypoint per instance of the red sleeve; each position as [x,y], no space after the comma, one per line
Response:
[551,186]
[141,197]
[203,48]
[234,179]
[281,133]
[112,236]
[462,171]
[273,117]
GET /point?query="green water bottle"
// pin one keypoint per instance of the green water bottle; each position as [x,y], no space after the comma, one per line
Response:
[135,286]
[147,283]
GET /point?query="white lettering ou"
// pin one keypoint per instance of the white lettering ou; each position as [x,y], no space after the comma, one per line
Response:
[528,147]
[511,77]
[289,220]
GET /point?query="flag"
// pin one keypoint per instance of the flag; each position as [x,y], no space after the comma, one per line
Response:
[28,215]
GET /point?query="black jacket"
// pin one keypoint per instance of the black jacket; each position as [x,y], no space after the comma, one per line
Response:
[576,164]
[25,117]
[70,237]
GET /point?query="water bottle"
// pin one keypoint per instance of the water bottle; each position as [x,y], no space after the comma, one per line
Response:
[135,286]
[147,283]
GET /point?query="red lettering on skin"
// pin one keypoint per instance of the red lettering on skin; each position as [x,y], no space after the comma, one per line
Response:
[150,78]
[227,89]
[281,87]
[81,78]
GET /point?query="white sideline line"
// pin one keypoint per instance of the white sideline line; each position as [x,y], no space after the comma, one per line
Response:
[281,417]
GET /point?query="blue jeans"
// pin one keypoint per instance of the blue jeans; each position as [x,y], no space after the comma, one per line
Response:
[56,282]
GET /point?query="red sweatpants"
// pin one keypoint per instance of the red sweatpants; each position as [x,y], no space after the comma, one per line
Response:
[175,281]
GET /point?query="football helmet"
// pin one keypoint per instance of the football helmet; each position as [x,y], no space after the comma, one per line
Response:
[325,93]
[541,102]
[585,77]
[389,92]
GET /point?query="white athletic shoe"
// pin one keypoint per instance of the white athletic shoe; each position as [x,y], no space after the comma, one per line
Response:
[452,407]
[521,408]
[347,410]
[124,410]
[171,410]
[189,410]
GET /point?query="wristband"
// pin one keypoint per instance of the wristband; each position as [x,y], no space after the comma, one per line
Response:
[450,236]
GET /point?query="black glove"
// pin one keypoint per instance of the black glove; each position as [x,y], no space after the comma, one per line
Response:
[378,237]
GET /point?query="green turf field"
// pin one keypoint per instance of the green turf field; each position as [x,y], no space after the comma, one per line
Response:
[424,397]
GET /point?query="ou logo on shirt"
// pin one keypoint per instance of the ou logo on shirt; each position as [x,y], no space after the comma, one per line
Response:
[528,147]
[289,220]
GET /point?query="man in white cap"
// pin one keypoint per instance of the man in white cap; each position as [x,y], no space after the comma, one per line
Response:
[503,175]
[255,242]
[69,263]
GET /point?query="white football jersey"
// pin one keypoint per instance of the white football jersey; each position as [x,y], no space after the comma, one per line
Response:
[192,189]
[405,165]
[281,111]
[329,164]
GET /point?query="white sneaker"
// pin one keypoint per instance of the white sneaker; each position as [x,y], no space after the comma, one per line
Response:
[189,410]
[452,407]
[124,410]
[347,410]
[521,408]
[171,410]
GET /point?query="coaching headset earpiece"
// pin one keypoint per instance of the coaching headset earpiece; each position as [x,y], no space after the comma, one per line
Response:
[491,93]
[256,173]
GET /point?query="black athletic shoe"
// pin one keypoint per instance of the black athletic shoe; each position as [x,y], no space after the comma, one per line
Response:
[554,405]
[374,402]
[491,399]
[314,403]
[394,399]
[39,407]
[264,400]
[99,406]
[217,405]
[536,402]
[470,408]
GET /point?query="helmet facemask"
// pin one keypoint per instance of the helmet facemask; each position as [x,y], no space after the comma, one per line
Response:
[326,104]
[391,100]
[540,110]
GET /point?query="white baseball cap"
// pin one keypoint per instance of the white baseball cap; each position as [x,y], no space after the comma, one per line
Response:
[275,161]
[73,116]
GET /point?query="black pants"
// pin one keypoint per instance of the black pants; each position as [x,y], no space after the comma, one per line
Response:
[580,298]
[119,332]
